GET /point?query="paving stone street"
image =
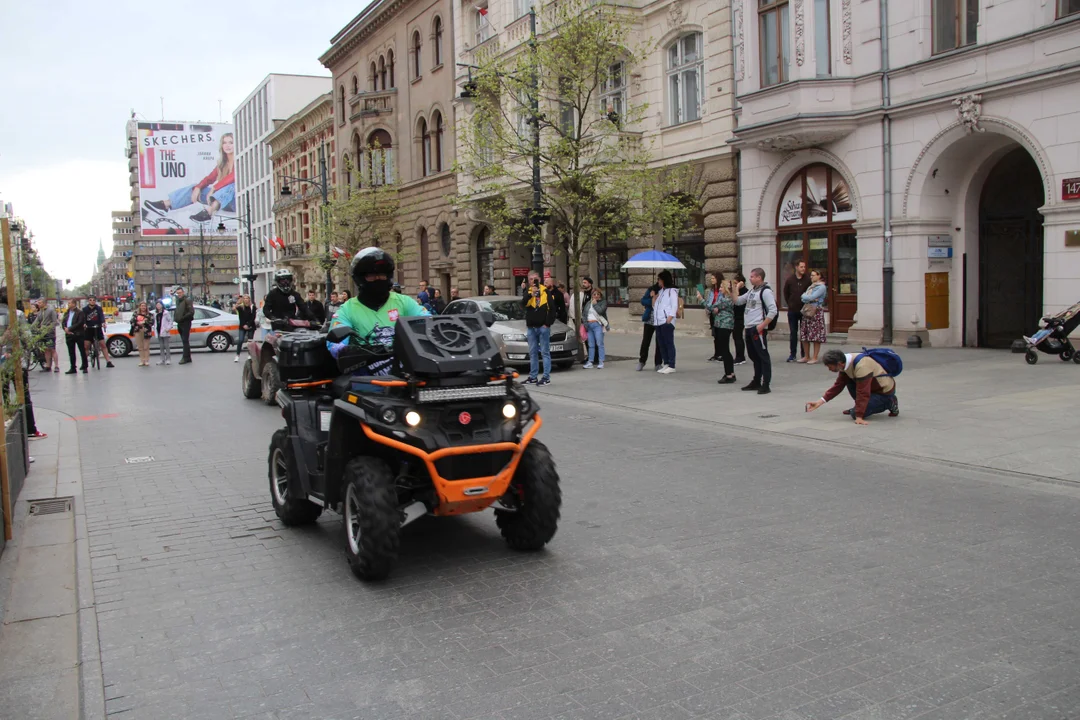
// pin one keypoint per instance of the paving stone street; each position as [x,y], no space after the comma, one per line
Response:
[700,570]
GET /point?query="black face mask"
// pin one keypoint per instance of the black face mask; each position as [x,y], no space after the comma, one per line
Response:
[374,294]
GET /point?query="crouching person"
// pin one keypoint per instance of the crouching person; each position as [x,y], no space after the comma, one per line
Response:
[868,383]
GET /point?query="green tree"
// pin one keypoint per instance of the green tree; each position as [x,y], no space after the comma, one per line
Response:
[595,163]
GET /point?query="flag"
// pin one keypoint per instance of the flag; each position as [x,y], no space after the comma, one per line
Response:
[337,252]
[482,11]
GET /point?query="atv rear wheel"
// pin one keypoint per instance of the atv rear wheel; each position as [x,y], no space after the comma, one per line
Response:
[250,384]
[372,522]
[271,383]
[536,494]
[291,510]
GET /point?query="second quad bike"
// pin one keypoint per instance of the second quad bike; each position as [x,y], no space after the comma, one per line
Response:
[261,376]
[448,432]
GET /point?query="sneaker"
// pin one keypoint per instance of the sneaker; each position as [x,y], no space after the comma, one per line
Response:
[726,380]
[791,358]
[850,411]
[740,362]
[56,369]
[157,206]
[236,359]
[764,390]
[166,362]
[530,381]
[661,367]
[600,366]
[894,406]
[666,370]
[657,367]
[640,367]
[752,386]
[184,361]
[160,362]
[201,216]
[713,359]
[38,435]
[588,366]
[45,370]
[544,381]
[30,459]
[85,370]
[109,364]
[72,371]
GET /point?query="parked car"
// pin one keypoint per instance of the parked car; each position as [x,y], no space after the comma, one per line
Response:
[214,329]
[509,329]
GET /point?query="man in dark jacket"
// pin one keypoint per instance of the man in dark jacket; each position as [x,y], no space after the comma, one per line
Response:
[315,308]
[72,323]
[558,302]
[794,287]
[94,329]
[183,314]
[539,315]
[283,302]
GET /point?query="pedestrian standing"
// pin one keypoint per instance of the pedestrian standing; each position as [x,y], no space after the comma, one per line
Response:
[9,326]
[794,287]
[558,301]
[812,328]
[163,325]
[539,315]
[315,308]
[246,313]
[761,312]
[648,329]
[72,323]
[454,294]
[722,312]
[709,301]
[872,388]
[183,314]
[45,323]
[142,329]
[488,290]
[665,308]
[331,307]
[596,324]
[437,302]
[739,331]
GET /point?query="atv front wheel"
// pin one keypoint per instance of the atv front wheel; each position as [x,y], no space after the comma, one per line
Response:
[372,522]
[291,510]
[535,493]
[271,383]
[250,383]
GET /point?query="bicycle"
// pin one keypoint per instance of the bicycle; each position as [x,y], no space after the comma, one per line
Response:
[95,356]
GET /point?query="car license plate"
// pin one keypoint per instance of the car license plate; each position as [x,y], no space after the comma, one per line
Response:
[556,348]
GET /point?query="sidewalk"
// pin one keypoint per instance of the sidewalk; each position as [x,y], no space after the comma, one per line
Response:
[983,408]
[48,639]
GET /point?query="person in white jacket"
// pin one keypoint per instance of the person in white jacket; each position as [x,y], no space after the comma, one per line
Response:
[665,306]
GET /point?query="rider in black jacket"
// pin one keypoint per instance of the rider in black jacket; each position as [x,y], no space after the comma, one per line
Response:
[283,302]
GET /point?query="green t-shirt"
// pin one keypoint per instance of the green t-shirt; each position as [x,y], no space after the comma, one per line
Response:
[375,328]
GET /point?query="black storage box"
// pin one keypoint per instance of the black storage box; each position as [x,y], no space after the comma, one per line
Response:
[445,345]
[303,356]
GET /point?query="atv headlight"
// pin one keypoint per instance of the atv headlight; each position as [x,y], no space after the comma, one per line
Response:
[389,416]
[412,418]
[509,411]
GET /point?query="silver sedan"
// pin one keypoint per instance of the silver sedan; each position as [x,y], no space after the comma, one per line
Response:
[510,330]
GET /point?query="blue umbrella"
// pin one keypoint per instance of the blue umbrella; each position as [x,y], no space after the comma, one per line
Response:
[653,260]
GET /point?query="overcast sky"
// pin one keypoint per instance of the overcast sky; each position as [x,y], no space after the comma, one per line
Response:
[72,71]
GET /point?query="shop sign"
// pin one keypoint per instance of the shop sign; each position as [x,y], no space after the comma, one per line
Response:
[939,247]
[521,272]
[1070,189]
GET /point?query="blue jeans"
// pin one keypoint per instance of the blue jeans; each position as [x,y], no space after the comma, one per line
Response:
[181,197]
[877,403]
[665,338]
[595,334]
[539,344]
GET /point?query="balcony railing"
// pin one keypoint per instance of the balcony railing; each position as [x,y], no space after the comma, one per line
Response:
[373,103]
[293,251]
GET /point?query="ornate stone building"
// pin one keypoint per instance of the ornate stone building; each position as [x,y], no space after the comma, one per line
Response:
[393,70]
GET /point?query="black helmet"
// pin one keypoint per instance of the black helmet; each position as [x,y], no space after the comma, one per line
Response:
[283,279]
[369,261]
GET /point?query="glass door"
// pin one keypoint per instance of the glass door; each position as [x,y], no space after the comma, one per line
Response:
[843,280]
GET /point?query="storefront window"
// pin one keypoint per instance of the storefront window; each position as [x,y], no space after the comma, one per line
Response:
[485,261]
[611,278]
[847,279]
[689,247]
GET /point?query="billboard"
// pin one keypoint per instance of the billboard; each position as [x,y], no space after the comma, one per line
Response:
[187,177]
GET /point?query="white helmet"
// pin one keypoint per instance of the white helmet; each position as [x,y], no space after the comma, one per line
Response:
[283,279]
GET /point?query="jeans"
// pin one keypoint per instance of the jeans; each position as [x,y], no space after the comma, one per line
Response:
[184,328]
[163,348]
[647,332]
[878,403]
[181,197]
[665,338]
[539,344]
[793,320]
[595,333]
[722,345]
[241,337]
[75,341]
[757,346]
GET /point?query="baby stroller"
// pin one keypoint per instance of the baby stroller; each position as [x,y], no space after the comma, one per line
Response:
[1053,337]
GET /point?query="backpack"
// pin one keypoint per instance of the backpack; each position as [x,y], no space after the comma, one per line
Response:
[886,358]
[765,309]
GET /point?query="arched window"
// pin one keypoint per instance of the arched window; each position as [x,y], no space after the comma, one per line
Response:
[381,158]
[382,72]
[436,60]
[348,170]
[390,67]
[341,104]
[685,79]
[436,161]
[423,254]
[355,85]
[425,147]
[416,45]
[374,79]
[445,240]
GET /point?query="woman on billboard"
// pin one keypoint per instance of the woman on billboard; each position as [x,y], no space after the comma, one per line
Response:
[216,191]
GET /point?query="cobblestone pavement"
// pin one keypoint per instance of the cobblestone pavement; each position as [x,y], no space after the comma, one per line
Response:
[699,571]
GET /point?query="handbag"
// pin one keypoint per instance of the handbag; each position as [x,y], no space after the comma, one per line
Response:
[809,311]
[582,334]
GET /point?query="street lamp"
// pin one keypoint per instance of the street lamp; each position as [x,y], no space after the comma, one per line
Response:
[246,222]
[324,188]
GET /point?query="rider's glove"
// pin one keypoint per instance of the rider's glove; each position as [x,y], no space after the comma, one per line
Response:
[335,348]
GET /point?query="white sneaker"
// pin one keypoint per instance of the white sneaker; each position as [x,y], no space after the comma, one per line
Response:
[588,366]
[600,366]
[236,359]
[662,368]
[666,370]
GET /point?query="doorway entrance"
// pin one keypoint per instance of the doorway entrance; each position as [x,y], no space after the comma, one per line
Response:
[1010,251]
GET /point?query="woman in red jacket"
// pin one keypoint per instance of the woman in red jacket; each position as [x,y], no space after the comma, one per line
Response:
[215,191]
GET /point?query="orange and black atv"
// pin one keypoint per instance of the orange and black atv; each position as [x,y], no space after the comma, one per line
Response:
[447,432]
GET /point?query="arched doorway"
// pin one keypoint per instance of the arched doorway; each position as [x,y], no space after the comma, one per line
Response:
[1010,250]
[815,225]
[485,260]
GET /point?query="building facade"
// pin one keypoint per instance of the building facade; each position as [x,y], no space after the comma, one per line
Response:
[923,151]
[276,98]
[297,147]
[686,84]
[393,69]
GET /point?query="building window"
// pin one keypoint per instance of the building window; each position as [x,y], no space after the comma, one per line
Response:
[355,85]
[689,246]
[685,78]
[445,240]
[382,72]
[437,45]
[822,51]
[374,79]
[423,241]
[341,104]
[522,7]
[612,280]
[425,152]
[348,170]
[775,46]
[481,26]
[485,260]
[381,158]
[436,141]
[955,23]
[1068,7]
[390,67]
[416,45]
[613,92]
